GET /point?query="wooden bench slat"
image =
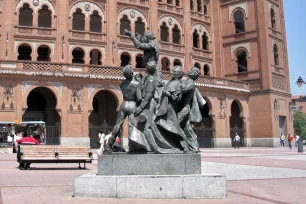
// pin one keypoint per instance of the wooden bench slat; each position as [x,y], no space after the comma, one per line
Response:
[56,154]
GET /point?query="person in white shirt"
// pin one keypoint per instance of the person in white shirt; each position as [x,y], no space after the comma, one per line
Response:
[237,141]
[282,139]
[297,138]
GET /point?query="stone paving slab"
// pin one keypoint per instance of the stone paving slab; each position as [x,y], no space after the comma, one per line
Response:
[262,161]
[247,172]
[285,157]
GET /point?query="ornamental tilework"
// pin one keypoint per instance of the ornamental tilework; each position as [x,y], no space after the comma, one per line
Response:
[278,82]
[58,86]
[132,14]
[232,8]
[26,85]
[87,8]
[170,22]
[36,5]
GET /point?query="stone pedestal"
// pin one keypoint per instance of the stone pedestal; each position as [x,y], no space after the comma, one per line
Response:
[149,164]
[151,176]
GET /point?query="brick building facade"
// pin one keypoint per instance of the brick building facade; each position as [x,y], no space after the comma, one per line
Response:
[60,62]
[298,103]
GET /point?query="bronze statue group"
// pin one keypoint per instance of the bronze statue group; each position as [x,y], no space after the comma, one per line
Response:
[161,113]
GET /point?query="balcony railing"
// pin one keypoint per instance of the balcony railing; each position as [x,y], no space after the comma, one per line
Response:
[171,46]
[202,53]
[200,16]
[125,40]
[25,30]
[170,8]
[207,81]
[91,36]
[141,2]
[28,68]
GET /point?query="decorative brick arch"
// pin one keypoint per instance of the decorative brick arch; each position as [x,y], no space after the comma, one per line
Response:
[93,89]
[210,105]
[274,42]
[72,47]
[18,43]
[36,5]
[44,44]
[34,46]
[132,14]
[47,85]
[87,9]
[201,29]
[236,47]
[271,6]
[170,22]
[131,54]
[239,6]
[241,107]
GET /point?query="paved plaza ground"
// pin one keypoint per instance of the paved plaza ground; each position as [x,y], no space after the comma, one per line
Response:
[255,175]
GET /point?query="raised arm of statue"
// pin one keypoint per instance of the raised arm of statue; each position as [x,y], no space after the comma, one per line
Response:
[139,45]
[200,98]
[136,41]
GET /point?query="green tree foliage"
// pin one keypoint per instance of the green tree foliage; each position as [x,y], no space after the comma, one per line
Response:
[300,124]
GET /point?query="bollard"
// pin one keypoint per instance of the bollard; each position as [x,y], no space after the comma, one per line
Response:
[300,146]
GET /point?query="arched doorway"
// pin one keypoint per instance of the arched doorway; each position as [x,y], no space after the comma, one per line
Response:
[205,129]
[41,104]
[103,116]
[236,122]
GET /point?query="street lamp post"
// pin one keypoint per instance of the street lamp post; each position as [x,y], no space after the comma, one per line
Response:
[300,82]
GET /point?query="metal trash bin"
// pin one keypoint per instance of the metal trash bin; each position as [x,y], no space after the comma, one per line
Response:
[300,146]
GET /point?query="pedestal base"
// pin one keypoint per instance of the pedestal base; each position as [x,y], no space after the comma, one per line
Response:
[149,164]
[207,185]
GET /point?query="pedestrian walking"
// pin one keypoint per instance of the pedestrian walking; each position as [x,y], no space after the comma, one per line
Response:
[297,138]
[237,141]
[290,139]
[282,140]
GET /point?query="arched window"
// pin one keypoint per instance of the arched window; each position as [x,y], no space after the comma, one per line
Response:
[43,52]
[177,62]
[197,65]
[169,2]
[124,24]
[206,70]
[177,3]
[26,16]
[191,5]
[164,32]
[139,26]
[95,22]
[176,35]
[95,57]
[199,3]
[242,62]
[276,55]
[78,56]
[239,21]
[125,59]
[165,64]
[44,17]
[273,19]
[205,41]
[24,52]
[78,22]
[139,61]
[195,36]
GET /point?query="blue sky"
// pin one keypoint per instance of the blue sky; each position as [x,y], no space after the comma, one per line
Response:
[295,17]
